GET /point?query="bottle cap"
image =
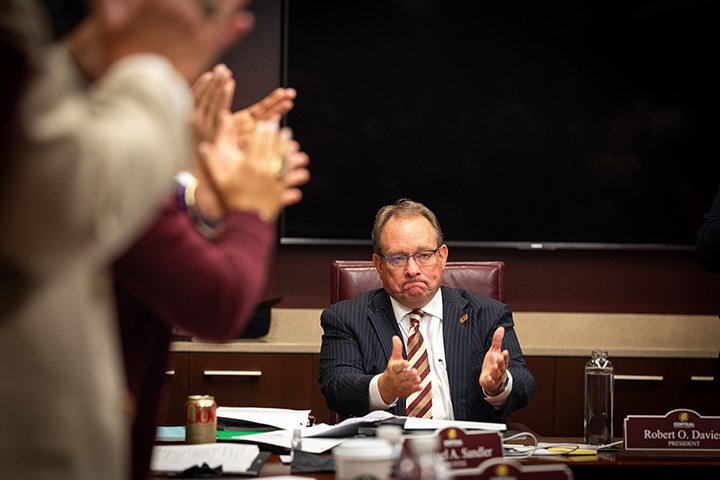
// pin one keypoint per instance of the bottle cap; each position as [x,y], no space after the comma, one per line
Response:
[391,433]
[423,444]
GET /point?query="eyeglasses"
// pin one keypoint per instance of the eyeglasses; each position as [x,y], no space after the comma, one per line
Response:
[424,258]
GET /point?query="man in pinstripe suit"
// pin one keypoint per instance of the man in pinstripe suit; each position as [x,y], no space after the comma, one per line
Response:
[476,364]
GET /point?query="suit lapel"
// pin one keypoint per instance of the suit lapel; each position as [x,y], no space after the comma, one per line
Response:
[457,335]
[383,321]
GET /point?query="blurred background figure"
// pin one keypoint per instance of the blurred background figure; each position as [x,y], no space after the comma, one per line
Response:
[203,264]
[708,249]
[98,125]
[17,64]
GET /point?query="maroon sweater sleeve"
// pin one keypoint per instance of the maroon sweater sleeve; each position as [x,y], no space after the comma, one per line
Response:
[209,288]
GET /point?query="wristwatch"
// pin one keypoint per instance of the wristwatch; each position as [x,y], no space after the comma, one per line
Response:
[186,185]
[499,390]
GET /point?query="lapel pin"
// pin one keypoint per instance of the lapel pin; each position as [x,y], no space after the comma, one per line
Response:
[463,318]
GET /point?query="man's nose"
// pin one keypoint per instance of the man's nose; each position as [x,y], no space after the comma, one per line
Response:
[412,268]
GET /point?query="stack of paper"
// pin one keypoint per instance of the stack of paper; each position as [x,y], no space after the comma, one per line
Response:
[281,418]
[319,438]
[414,423]
[323,437]
[233,457]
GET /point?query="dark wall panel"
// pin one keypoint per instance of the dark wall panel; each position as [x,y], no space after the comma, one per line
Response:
[561,280]
[663,282]
[256,60]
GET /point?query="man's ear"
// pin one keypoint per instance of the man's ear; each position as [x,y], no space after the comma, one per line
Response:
[443,254]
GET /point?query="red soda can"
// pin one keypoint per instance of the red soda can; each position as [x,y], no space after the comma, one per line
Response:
[200,415]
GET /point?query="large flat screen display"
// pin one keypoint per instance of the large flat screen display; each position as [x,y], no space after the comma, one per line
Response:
[558,123]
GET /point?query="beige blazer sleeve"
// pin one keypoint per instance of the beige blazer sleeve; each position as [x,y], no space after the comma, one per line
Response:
[90,171]
[96,160]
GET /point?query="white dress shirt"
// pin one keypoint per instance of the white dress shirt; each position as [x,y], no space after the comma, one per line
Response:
[431,328]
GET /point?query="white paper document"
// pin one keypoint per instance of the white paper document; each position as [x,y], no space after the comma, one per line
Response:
[288,477]
[346,428]
[233,457]
[318,438]
[283,418]
[414,423]
[283,438]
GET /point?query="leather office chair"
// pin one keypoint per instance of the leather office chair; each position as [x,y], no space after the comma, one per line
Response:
[350,278]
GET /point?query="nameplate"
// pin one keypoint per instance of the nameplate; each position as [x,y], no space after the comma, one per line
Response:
[460,449]
[500,468]
[679,429]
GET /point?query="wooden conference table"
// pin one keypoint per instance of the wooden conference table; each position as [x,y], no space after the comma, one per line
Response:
[606,465]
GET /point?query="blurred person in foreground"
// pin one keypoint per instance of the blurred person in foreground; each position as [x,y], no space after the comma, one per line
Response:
[708,249]
[203,265]
[100,127]
[475,367]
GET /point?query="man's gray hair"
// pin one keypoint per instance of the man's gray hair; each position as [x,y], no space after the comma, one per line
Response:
[403,207]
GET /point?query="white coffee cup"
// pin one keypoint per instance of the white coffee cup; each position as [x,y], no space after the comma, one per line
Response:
[363,457]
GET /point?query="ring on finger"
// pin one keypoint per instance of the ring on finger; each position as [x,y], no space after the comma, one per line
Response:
[208,6]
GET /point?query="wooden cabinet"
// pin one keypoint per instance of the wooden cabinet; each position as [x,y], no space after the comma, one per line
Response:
[253,380]
[538,415]
[177,377]
[278,380]
[643,386]
[694,386]
[287,380]
[320,409]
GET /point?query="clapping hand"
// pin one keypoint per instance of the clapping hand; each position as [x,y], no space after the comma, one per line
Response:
[398,380]
[277,104]
[254,165]
[248,179]
[495,364]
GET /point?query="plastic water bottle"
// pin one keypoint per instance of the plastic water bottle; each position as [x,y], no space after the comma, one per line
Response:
[295,443]
[599,386]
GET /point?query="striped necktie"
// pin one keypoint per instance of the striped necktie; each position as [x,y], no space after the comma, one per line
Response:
[419,404]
